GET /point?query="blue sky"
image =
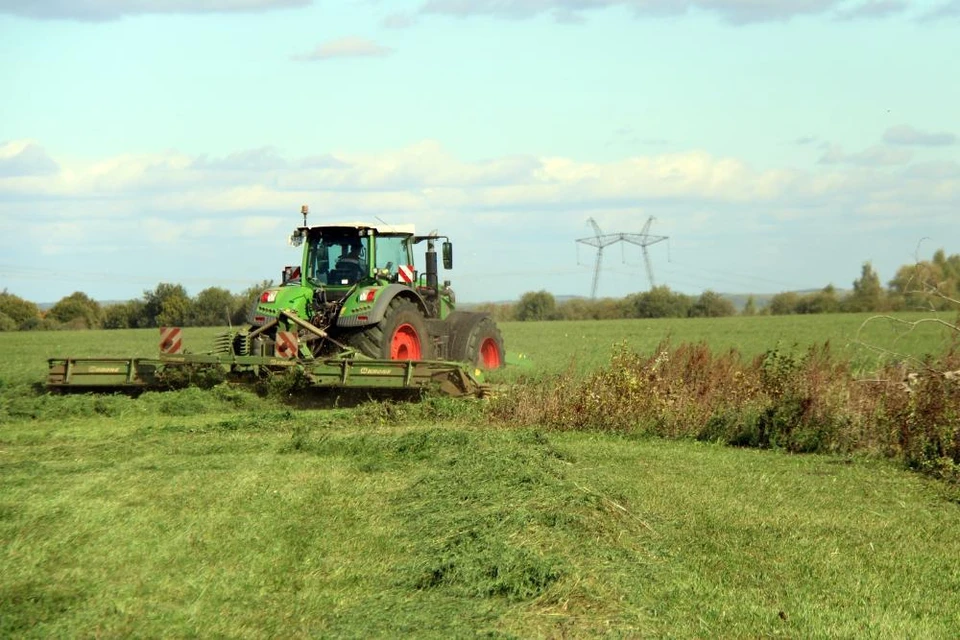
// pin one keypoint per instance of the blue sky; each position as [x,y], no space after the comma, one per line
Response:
[778,143]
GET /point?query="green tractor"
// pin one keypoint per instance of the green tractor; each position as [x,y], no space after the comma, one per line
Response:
[354,314]
[356,291]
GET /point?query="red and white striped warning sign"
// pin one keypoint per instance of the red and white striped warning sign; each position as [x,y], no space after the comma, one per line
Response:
[286,344]
[170,340]
[405,272]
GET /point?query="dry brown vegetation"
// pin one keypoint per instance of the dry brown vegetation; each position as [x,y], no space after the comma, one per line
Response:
[808,403]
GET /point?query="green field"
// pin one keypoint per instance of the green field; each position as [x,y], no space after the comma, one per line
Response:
[554,346]
[586,345]
[220,513]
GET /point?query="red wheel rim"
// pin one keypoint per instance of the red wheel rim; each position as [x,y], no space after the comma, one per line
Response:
[490,354]
[405,344]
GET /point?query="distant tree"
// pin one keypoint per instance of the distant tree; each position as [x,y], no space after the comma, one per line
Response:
[536,305]
[608,309]
[21,311]
[500,312]
[659,302]
[711,305]
[125,315]
[949,264]
[7,323]
[213,307]
[867,294]
[244,301]
[750,308]
[167,305]
[784,303]
[927,284]
[823,301]
[576,309]
[585,309]
[176,312]
[78,311]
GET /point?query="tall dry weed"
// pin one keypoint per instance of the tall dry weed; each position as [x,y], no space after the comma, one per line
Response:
[808,402]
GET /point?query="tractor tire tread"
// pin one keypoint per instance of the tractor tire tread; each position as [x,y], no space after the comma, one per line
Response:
[467,333]
[372,341]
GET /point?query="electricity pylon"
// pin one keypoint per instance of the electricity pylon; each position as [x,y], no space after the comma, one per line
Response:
[644,239]
[600,241]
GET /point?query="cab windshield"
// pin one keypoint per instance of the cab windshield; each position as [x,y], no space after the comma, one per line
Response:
[336,258]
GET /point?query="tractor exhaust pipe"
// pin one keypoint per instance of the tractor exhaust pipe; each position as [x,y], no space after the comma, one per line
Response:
[433,281]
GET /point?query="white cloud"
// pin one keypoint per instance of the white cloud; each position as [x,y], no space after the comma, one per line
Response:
[398,21]
[256,226]
[876,156]
[102,10]
[424,177]
[323,161]
[164,230]
[940,170]
[260,159]
[346,47]
[25,158]
[949,9]
[908,136]
[873,9]
[178,215]
[734,11]
[566,16]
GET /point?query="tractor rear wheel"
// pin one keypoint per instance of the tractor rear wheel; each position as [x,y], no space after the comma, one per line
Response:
[400,335]
[475,338]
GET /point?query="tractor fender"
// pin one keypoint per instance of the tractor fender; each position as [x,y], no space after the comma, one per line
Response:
[379,308]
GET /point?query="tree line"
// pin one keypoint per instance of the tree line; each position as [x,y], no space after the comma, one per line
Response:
[928,285]
[659,302]
[931,285]
[165,305]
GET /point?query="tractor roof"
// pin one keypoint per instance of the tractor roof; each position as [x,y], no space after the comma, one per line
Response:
[381,228]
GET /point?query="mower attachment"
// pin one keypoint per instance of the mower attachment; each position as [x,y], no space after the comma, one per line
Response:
[128,374]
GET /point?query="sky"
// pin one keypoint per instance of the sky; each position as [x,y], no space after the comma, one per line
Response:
[777,144]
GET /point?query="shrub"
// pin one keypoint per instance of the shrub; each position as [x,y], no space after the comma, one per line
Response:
[20,310]
[7,323]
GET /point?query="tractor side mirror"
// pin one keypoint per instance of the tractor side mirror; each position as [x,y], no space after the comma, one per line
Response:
[448,255]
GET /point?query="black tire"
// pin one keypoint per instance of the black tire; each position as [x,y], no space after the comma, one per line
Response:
[475,338]
[393,338]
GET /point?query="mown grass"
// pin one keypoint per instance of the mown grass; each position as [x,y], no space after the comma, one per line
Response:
[221,513]
[372,523]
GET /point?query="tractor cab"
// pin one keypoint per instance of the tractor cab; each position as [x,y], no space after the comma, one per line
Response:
[342,256]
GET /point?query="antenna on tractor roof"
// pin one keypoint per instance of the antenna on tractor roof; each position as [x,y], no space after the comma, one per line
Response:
[387,224]
[304,210]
